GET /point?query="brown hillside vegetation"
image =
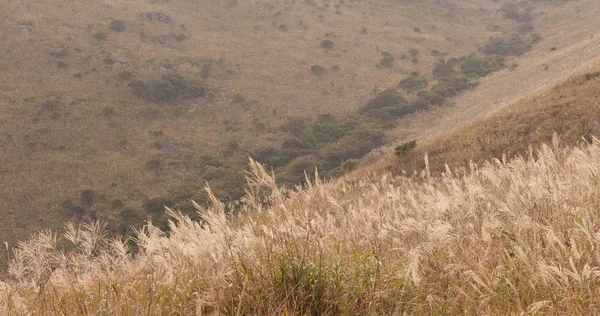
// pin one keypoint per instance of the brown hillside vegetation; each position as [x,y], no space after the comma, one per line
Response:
[78,144]
[507,238]
[69,122]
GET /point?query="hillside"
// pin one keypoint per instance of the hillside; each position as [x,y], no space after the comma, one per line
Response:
[114,111]
[117,108]
[505,238]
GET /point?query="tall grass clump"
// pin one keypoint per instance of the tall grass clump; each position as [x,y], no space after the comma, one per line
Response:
[506,238]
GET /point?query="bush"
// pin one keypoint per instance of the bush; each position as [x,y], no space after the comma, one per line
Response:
[403,149]
[205,70]
[295,126]
[327,44]
[387,98]
[100,36]
[386,62]
[297,168]
[87,197]
[433,97]
[170,88]
[420,104]
[193,92]
[156,206]
[165,91]
[379,115]
[413,83]
[514,12]
[525,28]
[317,70]
[476,66]
[458,83]
[108,111]
[515,46]
[351,146]
[413,52]
[118,26]
[131,215]
[443,69]
[327,129]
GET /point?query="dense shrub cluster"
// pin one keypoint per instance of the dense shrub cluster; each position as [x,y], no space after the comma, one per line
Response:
[171,87]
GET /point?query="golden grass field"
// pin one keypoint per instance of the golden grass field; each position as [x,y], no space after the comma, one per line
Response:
[504,238]
[509,236]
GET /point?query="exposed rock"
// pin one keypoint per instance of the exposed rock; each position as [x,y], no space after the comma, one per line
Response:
[25,32]
[159,17]
[117,66]
[594,131]
[25,29]
[373,156]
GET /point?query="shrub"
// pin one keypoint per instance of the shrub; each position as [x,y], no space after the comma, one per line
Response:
[525,28]
[403,149]
[238,98]
[205,70]
[118,25]
[443,69]
[108,111]
[459,83]
[514,12]
[327,129]
[170,88]
[100,36]
[349,165]
[165,91]
[444,89]
[292,143]
[131,215]
[387,98]
[413,52]
[433,97]
[139,87]
[295,126]
[379,115]
[317,70]
[87,197]
[327,44]
[156,205]
[413,83]
[386,62]
[420,104]
[515,46]
[476,66]
[193,91]
[297,168]
[352,146]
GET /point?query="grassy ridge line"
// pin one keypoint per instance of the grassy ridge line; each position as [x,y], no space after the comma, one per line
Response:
[506,238]
[569,109]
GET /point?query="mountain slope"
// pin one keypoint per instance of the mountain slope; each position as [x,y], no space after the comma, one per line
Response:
[79,144]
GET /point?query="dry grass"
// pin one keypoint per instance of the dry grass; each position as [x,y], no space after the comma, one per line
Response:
[509,237]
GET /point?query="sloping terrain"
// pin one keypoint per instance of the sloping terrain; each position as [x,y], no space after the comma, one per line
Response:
[109,109]
[508,238]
